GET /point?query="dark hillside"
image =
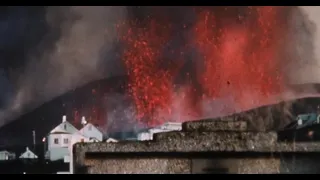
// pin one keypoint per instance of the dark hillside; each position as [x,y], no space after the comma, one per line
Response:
[46,117]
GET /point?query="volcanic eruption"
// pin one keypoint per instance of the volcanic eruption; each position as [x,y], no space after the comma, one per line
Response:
[181,63]
[239,62]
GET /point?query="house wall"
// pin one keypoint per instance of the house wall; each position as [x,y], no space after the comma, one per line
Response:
[92,132]
[58,149]
[144,136]
[4,156]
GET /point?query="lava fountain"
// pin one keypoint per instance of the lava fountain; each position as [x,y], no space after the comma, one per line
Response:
[241,61]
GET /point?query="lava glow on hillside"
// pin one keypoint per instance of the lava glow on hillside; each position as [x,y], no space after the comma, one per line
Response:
[238,63]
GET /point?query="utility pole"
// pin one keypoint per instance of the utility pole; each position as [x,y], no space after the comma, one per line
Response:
[34,140]
[44,147]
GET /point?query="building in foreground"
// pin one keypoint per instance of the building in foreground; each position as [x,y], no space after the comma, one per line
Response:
[223,145]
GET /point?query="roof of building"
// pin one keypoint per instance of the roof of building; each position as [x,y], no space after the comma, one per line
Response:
[5,151]
[111,140]
[64,127]
[28,154]
[309,116]
[93,126]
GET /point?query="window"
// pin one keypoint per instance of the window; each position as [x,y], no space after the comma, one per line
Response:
[89,127]
[65,140]
[65,126]
[56,141]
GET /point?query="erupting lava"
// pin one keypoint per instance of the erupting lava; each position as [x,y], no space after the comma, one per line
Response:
[150,85]
[239,57]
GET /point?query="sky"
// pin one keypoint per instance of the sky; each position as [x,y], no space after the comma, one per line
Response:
[16,40]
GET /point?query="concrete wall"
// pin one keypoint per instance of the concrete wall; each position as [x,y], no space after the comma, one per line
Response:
[274,164]
[139,166]
[184,165]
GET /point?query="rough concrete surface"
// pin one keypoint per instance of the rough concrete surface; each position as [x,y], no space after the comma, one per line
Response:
[166,152]
[139,166]
[219,125]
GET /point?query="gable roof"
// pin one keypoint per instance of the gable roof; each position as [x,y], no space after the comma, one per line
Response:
[28,155]
[64,127]
[5,151]
[87,126]
[111,140]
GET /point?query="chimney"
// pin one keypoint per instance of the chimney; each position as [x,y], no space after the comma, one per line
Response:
[83,121]
[64,118]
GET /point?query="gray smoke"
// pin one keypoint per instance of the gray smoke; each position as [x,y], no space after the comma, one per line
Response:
[78,56]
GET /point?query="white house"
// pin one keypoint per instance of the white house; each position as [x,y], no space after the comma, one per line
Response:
[111,140]
[59,140]
[166,127]
[28,154]
[92,132]
[6,155]
[62,138]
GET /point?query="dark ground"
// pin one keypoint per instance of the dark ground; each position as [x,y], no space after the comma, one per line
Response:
[32,167]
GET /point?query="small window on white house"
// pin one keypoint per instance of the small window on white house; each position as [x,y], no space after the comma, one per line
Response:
[65,140]
[90,127]
[65,126]
[56,141]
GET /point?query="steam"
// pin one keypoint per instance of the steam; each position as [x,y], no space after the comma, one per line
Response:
[120,113]
[304,52]
[77,57]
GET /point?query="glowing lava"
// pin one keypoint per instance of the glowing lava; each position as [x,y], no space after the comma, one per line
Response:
[239,53]
[149,85]
[240,58]
[237,63]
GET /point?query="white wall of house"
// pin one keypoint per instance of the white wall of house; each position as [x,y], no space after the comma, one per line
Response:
[58,146]
[92,131]
[144,136]
[6,155]
[59,140]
